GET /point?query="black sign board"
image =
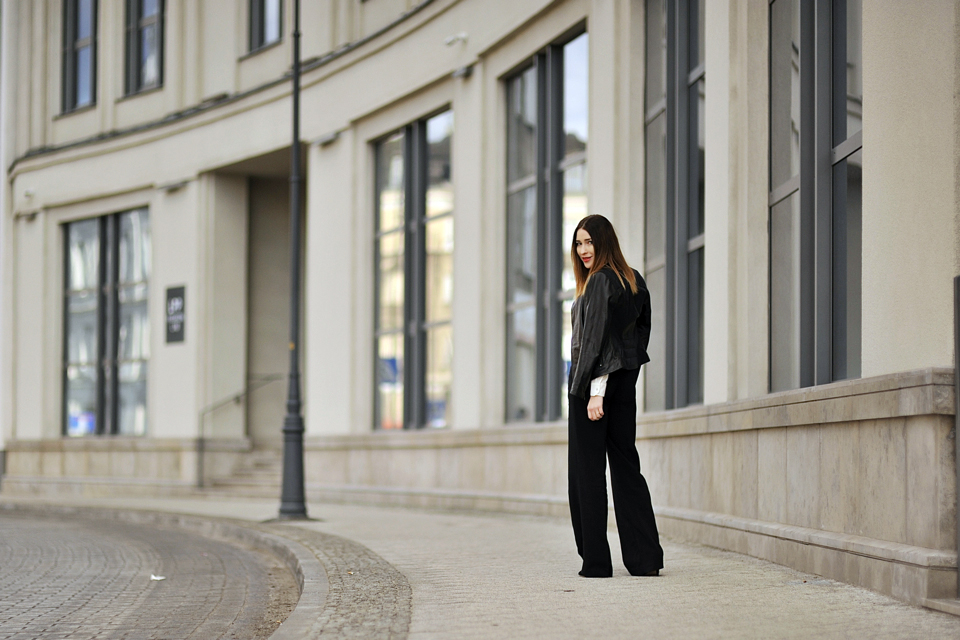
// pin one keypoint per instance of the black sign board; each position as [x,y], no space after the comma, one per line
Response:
[176,297]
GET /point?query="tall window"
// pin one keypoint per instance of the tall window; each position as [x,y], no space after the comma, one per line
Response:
[546,198]
[106,324]
[79,74]
[265,21]
[144,44]
[815,191]
[674,98]
[414,266]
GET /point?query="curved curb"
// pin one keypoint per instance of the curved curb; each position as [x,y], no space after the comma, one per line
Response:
[309,572]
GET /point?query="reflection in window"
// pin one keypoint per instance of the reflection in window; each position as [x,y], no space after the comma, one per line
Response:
[144,44]
[807,347]
[79,54]
[675,205]
[265,22]
[415,275]
[847,156]
[547,183]
[107,346]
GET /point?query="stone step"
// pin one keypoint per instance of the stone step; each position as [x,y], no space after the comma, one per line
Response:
[258,476]
[945,605]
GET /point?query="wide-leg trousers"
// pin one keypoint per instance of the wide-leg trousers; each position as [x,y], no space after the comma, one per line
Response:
[591,443]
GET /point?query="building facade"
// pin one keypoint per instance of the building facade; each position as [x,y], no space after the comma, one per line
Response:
[784,174]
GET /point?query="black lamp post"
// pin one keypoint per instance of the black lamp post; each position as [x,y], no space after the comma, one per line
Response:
[292,503]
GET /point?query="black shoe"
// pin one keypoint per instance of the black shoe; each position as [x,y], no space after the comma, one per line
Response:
[644,574]
[582,574]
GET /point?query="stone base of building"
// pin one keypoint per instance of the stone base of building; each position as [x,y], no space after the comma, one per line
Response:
[854,481]
[912,574]
[117,465]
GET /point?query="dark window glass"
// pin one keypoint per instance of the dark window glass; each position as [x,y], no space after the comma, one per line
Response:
[547,184]
[266,19]
[854,69]
[107,325]
[414,247]
[656,369]
[698,56]
[694,336]
[815,223]
[79,54]
[784,91]
[785,294]
[522,126]
[847,229]
[656,190]
[84,95]
[144,45]
[84,19]
[674,201]
[697,209]
[656,52]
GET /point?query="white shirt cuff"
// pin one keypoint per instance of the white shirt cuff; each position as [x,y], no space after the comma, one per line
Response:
[598,386]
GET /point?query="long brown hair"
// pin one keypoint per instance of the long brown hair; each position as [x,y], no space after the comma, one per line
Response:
[606,253]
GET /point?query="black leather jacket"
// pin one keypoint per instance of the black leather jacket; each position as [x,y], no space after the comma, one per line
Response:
[611,330]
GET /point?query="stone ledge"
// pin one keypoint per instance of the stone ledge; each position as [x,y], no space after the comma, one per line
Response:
[946,605]
[859,545]
[88,485]
[914,575]
[922,392]
[127,443]
[550,433]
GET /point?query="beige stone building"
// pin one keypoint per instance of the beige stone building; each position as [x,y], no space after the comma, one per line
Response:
[784,174]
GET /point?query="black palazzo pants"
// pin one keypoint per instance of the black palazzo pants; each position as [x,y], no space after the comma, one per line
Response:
[613,436]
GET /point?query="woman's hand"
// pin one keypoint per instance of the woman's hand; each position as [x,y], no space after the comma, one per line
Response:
[595,408]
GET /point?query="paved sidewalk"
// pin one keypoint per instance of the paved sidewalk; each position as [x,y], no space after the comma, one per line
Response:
[70,576]
[501,576]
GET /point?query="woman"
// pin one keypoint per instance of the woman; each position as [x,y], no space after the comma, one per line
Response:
[611,329]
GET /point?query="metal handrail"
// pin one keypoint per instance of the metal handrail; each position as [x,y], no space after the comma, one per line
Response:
[260,381]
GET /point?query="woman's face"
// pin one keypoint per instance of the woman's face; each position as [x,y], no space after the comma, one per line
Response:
[585,247]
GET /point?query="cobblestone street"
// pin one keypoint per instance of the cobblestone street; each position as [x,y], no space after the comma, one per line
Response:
[81,578]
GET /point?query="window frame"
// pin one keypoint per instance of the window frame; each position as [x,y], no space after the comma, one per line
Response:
[552,162]
[70,48]
[108,319]
[683,308]
[822,356]
[416,327]
[135,26]
[256,35]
